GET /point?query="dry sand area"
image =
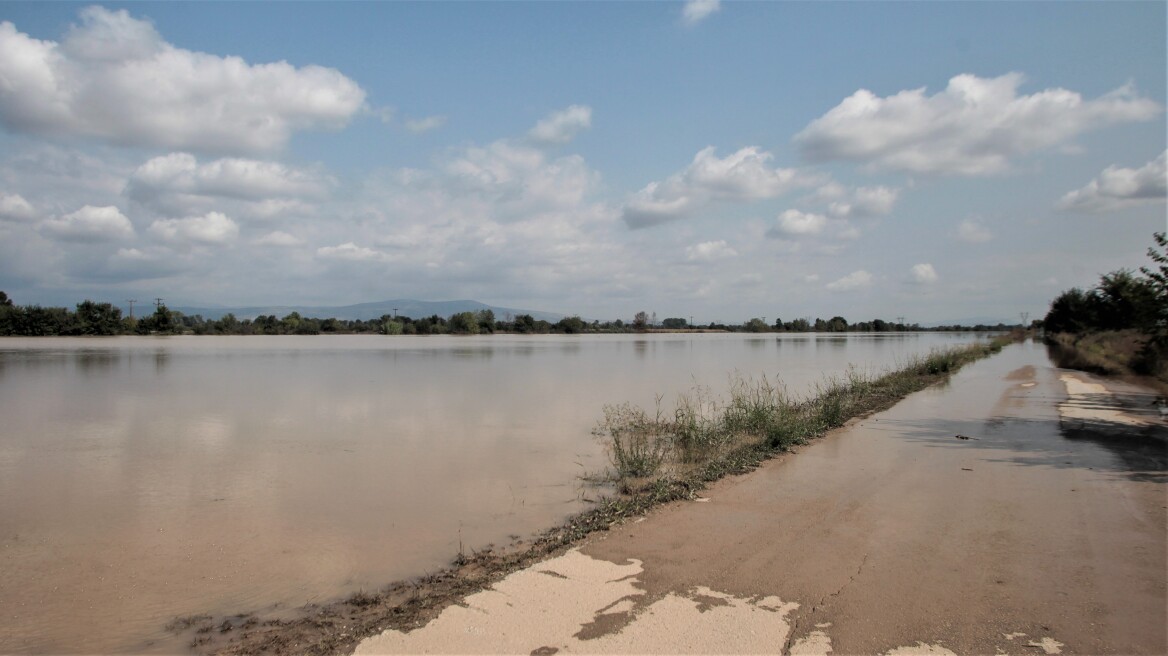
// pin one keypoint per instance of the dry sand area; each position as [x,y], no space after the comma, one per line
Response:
[1042,533]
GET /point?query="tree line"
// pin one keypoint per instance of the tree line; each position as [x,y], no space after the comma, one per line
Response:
[1125,304]
[97,319]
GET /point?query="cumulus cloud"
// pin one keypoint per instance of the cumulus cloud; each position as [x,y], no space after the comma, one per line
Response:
[973,127]
[420,125]
[796,223]
[865,201]
[709,251]
[562,126]
[278,238]
[13,207]
[972,231]
[516,180]
[114,77]
[349,252]
[923,274]
[213,228]
[741,176]
[853,281]
[245,179]
[696,11]
[1116,188]
[90,224]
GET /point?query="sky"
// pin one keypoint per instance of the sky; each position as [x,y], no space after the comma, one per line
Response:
[942,162]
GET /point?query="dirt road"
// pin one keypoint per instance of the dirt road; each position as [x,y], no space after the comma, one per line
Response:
[1043,532]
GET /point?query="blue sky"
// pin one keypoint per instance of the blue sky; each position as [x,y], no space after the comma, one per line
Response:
[938,161]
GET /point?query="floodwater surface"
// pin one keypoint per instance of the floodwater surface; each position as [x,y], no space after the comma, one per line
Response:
[143,479]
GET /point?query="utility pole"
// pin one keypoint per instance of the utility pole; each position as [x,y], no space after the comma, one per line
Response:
[131,301]
[900,321]
[1025,316]
[158,302]
[691,321]
[395,313]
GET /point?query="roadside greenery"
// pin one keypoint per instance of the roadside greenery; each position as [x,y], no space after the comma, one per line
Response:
[704,436]
[1119,326]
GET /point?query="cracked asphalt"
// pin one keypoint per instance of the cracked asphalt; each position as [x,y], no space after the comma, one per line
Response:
[1046,534]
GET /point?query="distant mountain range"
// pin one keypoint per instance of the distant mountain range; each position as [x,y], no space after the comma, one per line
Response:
[365,311]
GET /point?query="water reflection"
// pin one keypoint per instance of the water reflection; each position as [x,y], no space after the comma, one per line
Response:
[94,362]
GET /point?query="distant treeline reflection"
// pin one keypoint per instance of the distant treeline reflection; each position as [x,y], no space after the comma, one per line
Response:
[94,319]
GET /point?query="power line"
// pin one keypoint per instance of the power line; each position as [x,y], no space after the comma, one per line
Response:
[131,301]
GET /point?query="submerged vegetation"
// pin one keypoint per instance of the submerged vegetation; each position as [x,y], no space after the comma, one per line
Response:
[704,437]
[1118,327]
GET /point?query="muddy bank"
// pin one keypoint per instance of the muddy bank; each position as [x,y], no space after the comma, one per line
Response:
[1042,532]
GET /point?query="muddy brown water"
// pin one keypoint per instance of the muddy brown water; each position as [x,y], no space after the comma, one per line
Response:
[143,479]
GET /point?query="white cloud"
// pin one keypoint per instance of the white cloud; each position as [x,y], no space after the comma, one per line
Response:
[923,274]
[349,252]
[278,238]
[562,126]
[213,228]
[744,175]
[865,201]
[246,179]
[420,125]
[113,77]
[973,127]
[1116,188]
[515,180]
[90,224]
[710,251]
[972,231]
[794,222]
[13,207]
[695,11]
[853,281]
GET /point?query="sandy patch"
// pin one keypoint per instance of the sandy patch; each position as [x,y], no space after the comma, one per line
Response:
[816,643]
[586,606]
[1093,403]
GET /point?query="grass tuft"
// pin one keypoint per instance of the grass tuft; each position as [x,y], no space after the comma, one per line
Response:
[705,438]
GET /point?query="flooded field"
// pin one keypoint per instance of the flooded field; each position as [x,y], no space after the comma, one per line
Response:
[143,479]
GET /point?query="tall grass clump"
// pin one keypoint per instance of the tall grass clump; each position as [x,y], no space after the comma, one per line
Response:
[706,437]
[637,444]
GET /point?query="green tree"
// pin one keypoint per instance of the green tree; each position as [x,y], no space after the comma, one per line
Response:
[1158,283]
[525,323]
[464,323]
[485,320]
[570,325]
[1126,302]
[674,323]
[640,321]
[756,325]
[1073,311]
[98,318]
